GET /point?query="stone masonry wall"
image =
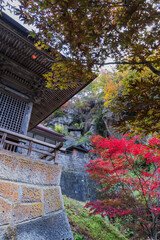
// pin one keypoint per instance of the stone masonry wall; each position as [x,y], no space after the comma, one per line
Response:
[31,205]
[75,182]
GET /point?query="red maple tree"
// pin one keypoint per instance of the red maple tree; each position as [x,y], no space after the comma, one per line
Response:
[129,175]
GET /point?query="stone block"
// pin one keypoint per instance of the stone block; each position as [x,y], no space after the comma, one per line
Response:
[52,200]
[5,212]
[9,190]
[25,170]
[8,233]
[24,173]
[30,194]
[54,175]
[78,186]
[23,212]
[9,165]
[2,232]
[54,227]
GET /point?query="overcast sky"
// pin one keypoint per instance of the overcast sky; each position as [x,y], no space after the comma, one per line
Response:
[15,17]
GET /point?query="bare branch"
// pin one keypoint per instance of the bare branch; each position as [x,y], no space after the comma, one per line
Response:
[129,63]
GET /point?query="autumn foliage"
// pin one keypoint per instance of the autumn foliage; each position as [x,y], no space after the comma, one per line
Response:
[128,173]
[87,32]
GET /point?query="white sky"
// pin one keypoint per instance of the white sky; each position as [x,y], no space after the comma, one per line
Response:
[15,17]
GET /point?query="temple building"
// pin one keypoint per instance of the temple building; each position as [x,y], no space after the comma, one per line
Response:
[25,101]
[31,205]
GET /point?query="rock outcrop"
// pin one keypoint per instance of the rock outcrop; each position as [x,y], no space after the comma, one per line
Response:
[92,117]
[110,119]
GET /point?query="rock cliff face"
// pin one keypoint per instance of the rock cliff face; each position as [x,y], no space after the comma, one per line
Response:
[110,119]
[88,118]
[75,182]
[91,117]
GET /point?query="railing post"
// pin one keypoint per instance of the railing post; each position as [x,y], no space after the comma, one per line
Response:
[30,148]
[13,146]
[56,152]
[56,157]
[4,136]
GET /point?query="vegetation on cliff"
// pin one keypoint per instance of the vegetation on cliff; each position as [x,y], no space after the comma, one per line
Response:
[85,227]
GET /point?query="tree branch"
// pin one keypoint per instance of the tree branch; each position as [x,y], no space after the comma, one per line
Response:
[150,66]
[52,61]
[154,70]
[129,63]
[147,63]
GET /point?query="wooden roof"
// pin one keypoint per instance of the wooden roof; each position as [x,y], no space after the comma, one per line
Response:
[78,147]
[22,73]
[47,132]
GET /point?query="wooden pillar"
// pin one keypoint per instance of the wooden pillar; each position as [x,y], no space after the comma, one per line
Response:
[26,118]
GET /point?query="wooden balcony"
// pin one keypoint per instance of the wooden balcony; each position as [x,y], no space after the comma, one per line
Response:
[29,147]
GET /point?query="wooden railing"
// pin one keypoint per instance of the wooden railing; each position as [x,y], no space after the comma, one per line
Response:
[14,142]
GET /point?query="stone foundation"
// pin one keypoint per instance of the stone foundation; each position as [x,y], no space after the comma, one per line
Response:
[75,182]
[31,205]
[83,188]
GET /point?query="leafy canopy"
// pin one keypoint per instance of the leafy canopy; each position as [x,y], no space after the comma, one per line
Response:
[87,32]
[140,106]
[114,85]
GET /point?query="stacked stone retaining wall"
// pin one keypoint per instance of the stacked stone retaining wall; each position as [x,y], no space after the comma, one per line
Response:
[31,205]
[75,182]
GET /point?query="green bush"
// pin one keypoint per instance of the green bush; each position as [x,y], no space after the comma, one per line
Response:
[79,125]
[78,237]
[58,113]
[85,137]
[59,129]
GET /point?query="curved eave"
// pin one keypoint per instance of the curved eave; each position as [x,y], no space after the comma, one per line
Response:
[17,49]
[44,131]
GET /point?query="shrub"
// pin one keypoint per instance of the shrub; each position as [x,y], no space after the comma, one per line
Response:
[128,189]
[59,129]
